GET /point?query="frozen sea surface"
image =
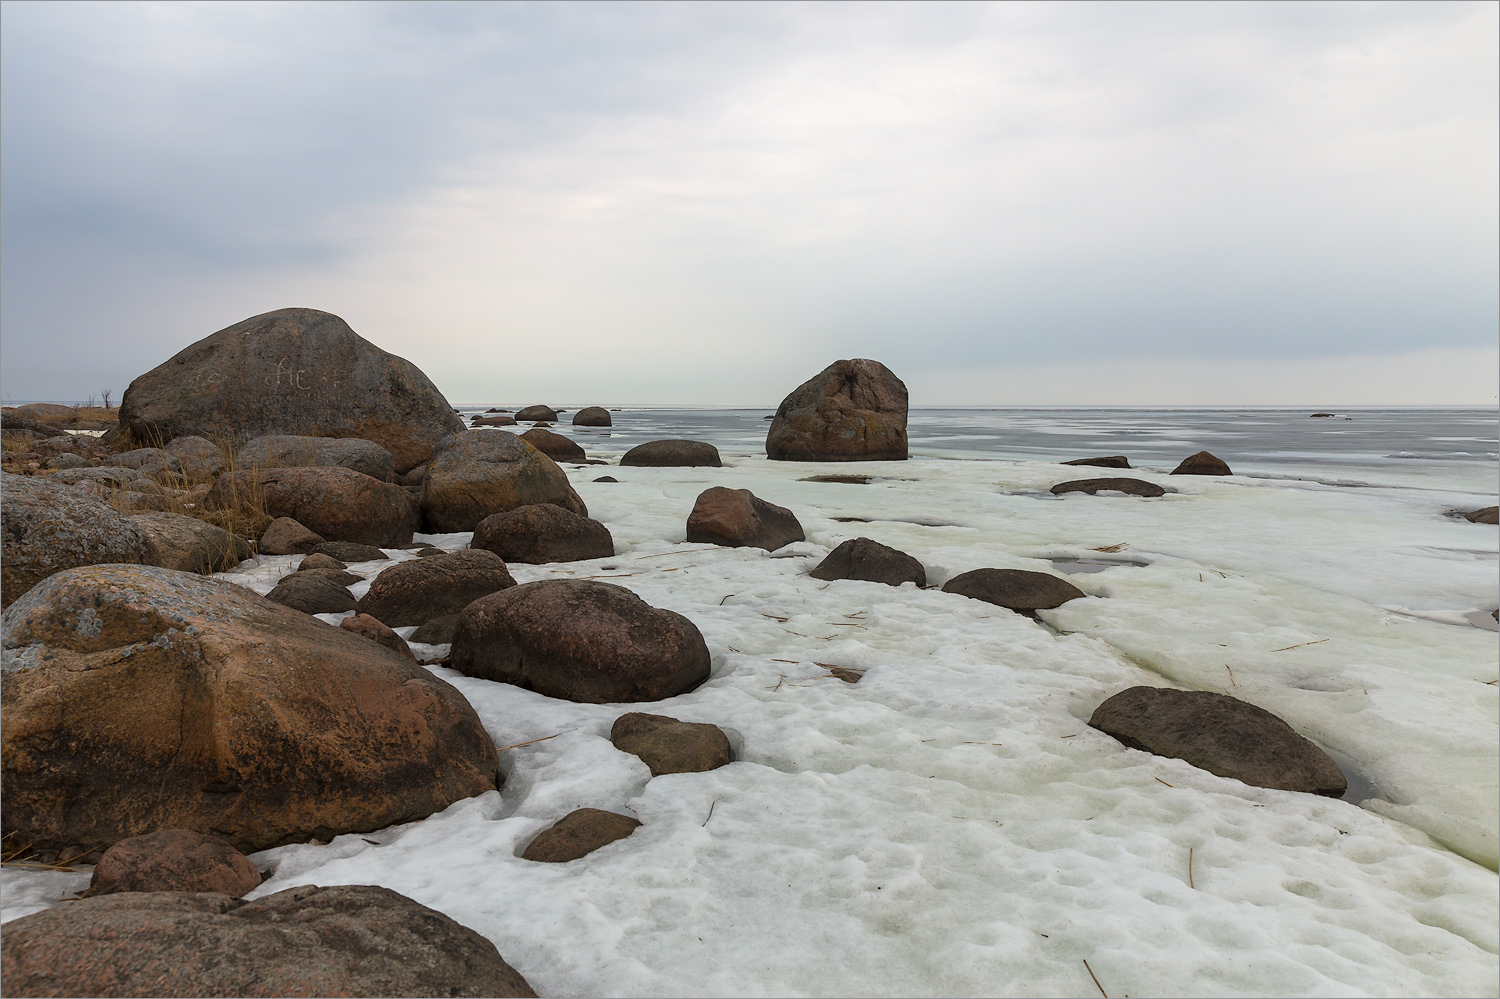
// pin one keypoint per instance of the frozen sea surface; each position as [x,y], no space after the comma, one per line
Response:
[950,825]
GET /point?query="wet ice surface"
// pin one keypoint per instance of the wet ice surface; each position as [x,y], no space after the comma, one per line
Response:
[949,824]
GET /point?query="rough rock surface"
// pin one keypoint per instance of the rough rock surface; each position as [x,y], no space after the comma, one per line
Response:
[670,746]
[188,544]
[532,414]
[418,590]
[852,410]
[482,472]
[148,460]
[577,834]
[861,558]
[312,593]
[1202,463]
[1109,461]
[350,551]
[738,518]
[673,454]
[287,537]
[290,451]
[107,477]
[555,446]
[69,460]
[541,533]
[368,627]
[1484,515]
[580,640]
[137,699]
[592,416]
[438,631]
[1015,589]
[339,576]
[15,422]
[493,421]
[348,940]
[200,458]
[46,528]
[338,503]
[292,371]
[1132,487]
[173,860]
[1221,734]
[321,561]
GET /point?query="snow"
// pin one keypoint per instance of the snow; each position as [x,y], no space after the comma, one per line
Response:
[950,824]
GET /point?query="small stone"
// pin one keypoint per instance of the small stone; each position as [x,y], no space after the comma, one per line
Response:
[578,834]
[173,860]
[1131,487]
[318,560]
[1020,590]
[1109,461]
[1484,515]
[555,446]
[606,478]
[737,518]
[670,746]
[862,558]
[287,537]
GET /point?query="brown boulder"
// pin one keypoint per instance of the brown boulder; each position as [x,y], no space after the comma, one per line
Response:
[291,451]
[555,446]
[200,458]
[287,537]
[338,503]
[580,640]
[737,518]
[850,411]
[340,576]
[1221,734]
[173,860]
[151,461]
[348,940]
[673,454]
[138,699]
[1202,463]
[418,590]
[312,593]
[1131,487]
[578,834]
[482,472]
[670,746]
[366,626]
[530,414]
[438,631]
[350,551]
[592,416]
[321,561]
[1484,515]
[47,412]
[188,544]
[293,371]
[1014,589]
[1110,461]
[861,558]
[541,533]
[493,421]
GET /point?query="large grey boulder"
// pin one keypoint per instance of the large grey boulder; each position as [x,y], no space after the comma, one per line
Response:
[49,527]
[290,451]
[852,410]
[477,473]
[188,544]
[292,371]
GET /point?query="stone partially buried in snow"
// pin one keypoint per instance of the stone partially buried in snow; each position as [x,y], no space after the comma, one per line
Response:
[1202,463]
[173,860]
[49,527]
[1131,487]
[555,446]
[541,533]
[578,834]
[347,940]
[852,410]
[1108,461]
[287,537]
[338,503]
[592,416]
[673,454]
[861,558]
[147,460]
[312,593]
[580,640]
[291,451]
[188,544]
[737,518]
[670,746]
[1019,590]
[138,699]
[350,551]
[414,592]
[481,472]
[1221,734]
[292,371]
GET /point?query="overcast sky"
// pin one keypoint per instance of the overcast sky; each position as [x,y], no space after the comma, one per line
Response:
[1009,204]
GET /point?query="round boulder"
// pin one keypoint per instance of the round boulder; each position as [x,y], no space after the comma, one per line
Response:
[852,410]
[531,414]
[138,699]
[673,454]
[482,472]
[287,537]
[1131,487]
[541,533]
[312,592]
[173,860]
[291,451]
[555,446]
[188,544]
[200,458]
[592,416]
[670,746]
[737,518]
[338,503]
[1221,734]
[493,421]
[580,640]
[1019,590]
[68,459]
[1202,463]
[578,834]
[417,590]
[861,558]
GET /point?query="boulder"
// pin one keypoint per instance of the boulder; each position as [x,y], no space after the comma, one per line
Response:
[847,480]
[27,426]
[1202,463]
[1110,461]
[555,446]
[737,518]
[413,479]
[541,532]
[293,371]
[350,551]
[287,537]
[532,413]
[482,472]
[68,459]
[288,451]
[1221,734]
[673,454]
[438,631]
[493,421]
[312,593]
[188,544]
[151,461]
[861,558]
[173,860]
[338,503]
[107,478]
[1484,515]
[1131,487]
[418,590]
[340,576]
[129,501]
[850,411]
[580,640]
[349,940]
[47,412]
[322,561]
[200,458]
[49,527]
[138,699]
[1019,590]
[578,834]
[670,746]
[606,478]
[592,416]
[366,626]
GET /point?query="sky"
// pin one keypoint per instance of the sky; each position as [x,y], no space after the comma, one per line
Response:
[1008,204]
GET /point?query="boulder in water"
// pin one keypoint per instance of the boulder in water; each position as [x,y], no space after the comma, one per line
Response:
[532,414]
[592,416]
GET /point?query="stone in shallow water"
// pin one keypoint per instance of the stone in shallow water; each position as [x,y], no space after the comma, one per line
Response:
[852,410]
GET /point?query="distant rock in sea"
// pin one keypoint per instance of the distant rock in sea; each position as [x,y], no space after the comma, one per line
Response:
[1202,463]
